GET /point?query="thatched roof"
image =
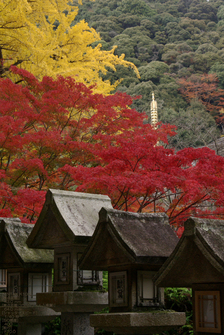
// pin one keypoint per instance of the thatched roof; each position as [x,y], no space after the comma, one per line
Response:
[67,217]
[129,238]
[198,256]
[13,248]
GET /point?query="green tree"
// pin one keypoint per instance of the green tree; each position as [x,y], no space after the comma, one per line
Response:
[220,13]
[153,71]
[144,91]
[163,18]
[218,69]
[195,127]
[206,47]
[135,7]
[124,45]
[129,20]
[150,27]
[202,11]
[168,94]
[204,62]
[170,57]
[186,59]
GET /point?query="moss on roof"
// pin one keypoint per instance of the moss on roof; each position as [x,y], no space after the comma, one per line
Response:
[16,234]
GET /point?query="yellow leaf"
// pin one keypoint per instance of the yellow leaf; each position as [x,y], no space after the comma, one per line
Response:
[39,37]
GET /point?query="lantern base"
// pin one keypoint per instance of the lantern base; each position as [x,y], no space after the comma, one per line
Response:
[138,323]
[74,301]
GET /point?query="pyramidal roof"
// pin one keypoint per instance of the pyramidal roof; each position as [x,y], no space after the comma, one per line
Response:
[198,256]
[13,247]
[67,217]
[129,238]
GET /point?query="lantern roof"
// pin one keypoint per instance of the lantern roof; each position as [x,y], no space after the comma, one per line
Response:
[14,251]
[67,218]
[123,238]
[198,256]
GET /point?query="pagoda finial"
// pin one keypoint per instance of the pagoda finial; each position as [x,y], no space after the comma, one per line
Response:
[154,113]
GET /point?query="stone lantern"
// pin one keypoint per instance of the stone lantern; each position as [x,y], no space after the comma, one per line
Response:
[197,262]
[66,224]
[24,272]
[132,247]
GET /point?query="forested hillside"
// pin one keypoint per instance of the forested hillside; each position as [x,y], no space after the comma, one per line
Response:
[178,47]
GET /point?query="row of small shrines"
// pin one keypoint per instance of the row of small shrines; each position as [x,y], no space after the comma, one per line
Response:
[80,235]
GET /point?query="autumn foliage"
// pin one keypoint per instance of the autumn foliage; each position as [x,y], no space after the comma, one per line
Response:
[57,133]
[205,89]
[41,37]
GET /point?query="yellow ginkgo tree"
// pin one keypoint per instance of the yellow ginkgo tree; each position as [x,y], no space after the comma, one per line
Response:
[39,36]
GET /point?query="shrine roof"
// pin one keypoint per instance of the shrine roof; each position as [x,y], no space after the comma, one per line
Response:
[67,217]
[129,238]
[198,256]
[13,236]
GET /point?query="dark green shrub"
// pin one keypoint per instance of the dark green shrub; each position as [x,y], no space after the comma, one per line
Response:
[53,327]
[180,300]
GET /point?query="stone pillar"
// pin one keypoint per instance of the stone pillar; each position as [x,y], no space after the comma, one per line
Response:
[25,328]
[76,324]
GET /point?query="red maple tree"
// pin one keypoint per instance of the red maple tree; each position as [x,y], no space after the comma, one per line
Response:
[58,134]
[143,177]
